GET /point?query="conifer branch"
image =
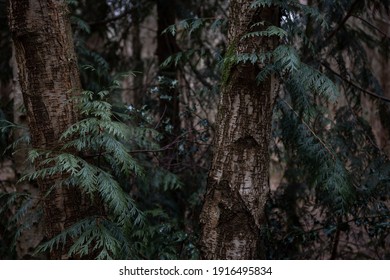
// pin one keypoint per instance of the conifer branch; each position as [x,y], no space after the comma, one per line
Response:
[355,85]
[372,26]
[311,130]
[341,24]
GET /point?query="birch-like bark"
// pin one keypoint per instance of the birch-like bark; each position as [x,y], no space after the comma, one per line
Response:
[238,187]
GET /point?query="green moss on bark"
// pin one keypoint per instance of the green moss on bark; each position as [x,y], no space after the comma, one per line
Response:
[229,62]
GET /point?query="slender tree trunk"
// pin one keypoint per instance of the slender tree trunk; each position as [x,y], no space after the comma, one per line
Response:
[381,65]
[49,78]
[137,54]
[238,187]
[167,46]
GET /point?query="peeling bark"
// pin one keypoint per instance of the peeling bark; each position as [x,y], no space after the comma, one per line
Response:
[238,187]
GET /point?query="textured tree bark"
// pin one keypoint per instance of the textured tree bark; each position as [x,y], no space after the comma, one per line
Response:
[31,238]
[238,187]
[49,78]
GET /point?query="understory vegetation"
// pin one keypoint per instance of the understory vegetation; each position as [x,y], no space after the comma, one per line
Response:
[141,149]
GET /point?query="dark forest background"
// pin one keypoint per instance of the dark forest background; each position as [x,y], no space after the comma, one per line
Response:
[151,74]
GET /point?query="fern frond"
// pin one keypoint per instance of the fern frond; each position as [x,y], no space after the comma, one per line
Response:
[122,159]
[267,71]
[253,58]
[122,206]
[171,29]
[162,179]
[70,233]
[327,171]
[81,24]
[72,2]
[86,178]
[9,199]
[262,3]
[287,59]
[269,32]
[217,24]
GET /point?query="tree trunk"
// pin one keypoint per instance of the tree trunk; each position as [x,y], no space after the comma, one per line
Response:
[139,94]
[167,46]
[49,78]
[31,238]
[238,187]
[380,64]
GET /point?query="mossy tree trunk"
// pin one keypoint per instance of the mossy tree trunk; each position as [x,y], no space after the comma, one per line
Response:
[49,78]
[238,187]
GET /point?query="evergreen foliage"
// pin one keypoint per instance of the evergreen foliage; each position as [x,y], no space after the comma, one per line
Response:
[96,157]
[333,196]
[326,148]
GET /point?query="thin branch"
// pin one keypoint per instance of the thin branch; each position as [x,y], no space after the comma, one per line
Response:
[161,118]
[364,131]
[109,20]
[198,75]
[355,85]
[341,24]
[336,240]
[346,222]
[311,130]
[372,26]
[166,147]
